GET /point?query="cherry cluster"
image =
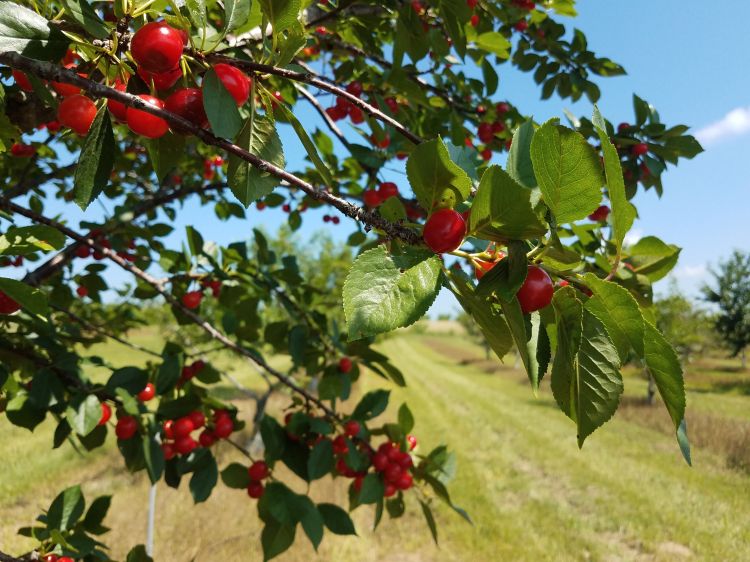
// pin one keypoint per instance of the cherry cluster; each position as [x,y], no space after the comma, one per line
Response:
[176,434]
[489,132]
[258,471]
[20,150]
[193,299]
[189,371]
[55,558]
[7,304]
[5,261]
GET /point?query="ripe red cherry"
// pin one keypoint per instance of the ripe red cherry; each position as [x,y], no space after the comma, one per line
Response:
[142,123]
[51,558]
[117,109]
[255,490]
[380,461]
[168,427]
[147,393]
[106,414]
[600,214]
[235,81]
[207,438]
[188,104]
[387,189]
[185,445]
[77,112]
[63,89]
[412,442]
[182,427]
[393,472]
[485,133]
[472,3]
[23,81]
[192,299]
[65,559]
[82,291]
[405,461]
[168,450]
[474,20]
[126,427]
[622,127]
[224,427]
[258,471]
[487,154]
[339,445]
[390,490]
[371,198]
[521,26]
[536,291]
[392,104]
[352,428]
[157,47]
[498,127]
[7,304]
[22,150]
[404,481]
[355,88]
[161,80]
[198,419]
[335,113]
[564,283]
[502,108]
[345,365]
[481,267]
[356,115]
[639,149]
[444,231]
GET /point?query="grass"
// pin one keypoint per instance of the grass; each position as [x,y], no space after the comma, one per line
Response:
[532,494]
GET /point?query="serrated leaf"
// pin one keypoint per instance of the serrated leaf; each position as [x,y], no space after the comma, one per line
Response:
[281,14]
[310,519]
[30,298]
[568,171]
[153,457]
[664,365]
[507,276]
[436,180]
[383,292]
[30,34]
[204,478]
[96,161]
[197,12]
[236,13]
[519,165]
[494,42]
[166,153]
[653,258]
[371,405]
[502,209]
[221,107]
[247,182]
[392,210]
[24,240]
[66,509]
[82,12]
[336,519]
[304,138]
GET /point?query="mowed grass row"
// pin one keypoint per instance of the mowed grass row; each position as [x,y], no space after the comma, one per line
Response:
[532,494]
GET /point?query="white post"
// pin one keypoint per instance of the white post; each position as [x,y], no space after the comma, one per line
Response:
[151,519]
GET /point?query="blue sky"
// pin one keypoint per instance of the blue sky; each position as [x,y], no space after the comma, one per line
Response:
[685,57]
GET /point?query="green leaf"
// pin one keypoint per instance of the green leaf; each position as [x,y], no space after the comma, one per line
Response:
[372,489]
[310,519]
[568,171]
[247,182]
[197,12]
[664,365]
[456,14]
[24,240]
[138,554]
[371,405]
[383,292]
[653,258]
[436,180]
[204,478]
[321,460]
[86,416]
[304,138]
[30,298]
[235,476]
[168,374]
[274,438]
[623,211]
[154,458]
[586,381]
[405,418]
[519,165]
[502,209]
[336,519]
[97,159]
[682,440]
[276,538]
[392,210]
[130,378]
[508,275]
[427,511]
[494,42]
[221,107]
[515,319]
[82,12]
[165,153]
[236,13]
[491,79]
[281,14]
[66,509]
[96,514]
[30,34]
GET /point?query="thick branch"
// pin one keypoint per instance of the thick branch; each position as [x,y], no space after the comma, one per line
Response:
[370,218]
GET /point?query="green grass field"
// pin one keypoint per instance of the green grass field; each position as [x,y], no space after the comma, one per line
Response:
[532,493]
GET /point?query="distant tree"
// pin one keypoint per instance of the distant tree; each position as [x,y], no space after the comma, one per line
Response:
[731,294]
[688,327]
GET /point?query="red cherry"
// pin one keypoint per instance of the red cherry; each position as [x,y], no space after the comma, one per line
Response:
[485,133]
[412,442]
[393,454]
[474,20]
[83,252]
[600,215]
[392,104]
[147,393]
[444,231]
[352,428]
[481,267]
[345,365]
[387,189]
[185,445]
[183,427]
[536,291]
[77,112]
[622,127]
[82,291]
[65,559]
[188,104]
[192,299]
[404,482]
[157,47]
[65,90]
[207,438]
[224,427]
[168,427]
[355,88]
[564,283]
[258,471]
[106,414]
[51,558]
[198,419]
[161,80]
[405,461]
[380,461]
[116,108]
[639,149]
[22,81]
[356,115]
[521,26]
[390,490]
[340,446]
[255,490]
[498,127]
[335,113]
[371,198]
[142,123]
[392,473]
[487,154]
[53,126]
[502,108]
[286,207]
[169,451]
[221,414]
[22,150]
[126,427]
[358,481]
[7,304]
[235,81]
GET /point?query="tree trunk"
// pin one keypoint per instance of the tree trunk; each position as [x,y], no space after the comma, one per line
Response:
[743,358]
[651,393]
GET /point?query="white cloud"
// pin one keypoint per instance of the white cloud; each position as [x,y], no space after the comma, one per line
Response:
[633,236]
[736,122]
